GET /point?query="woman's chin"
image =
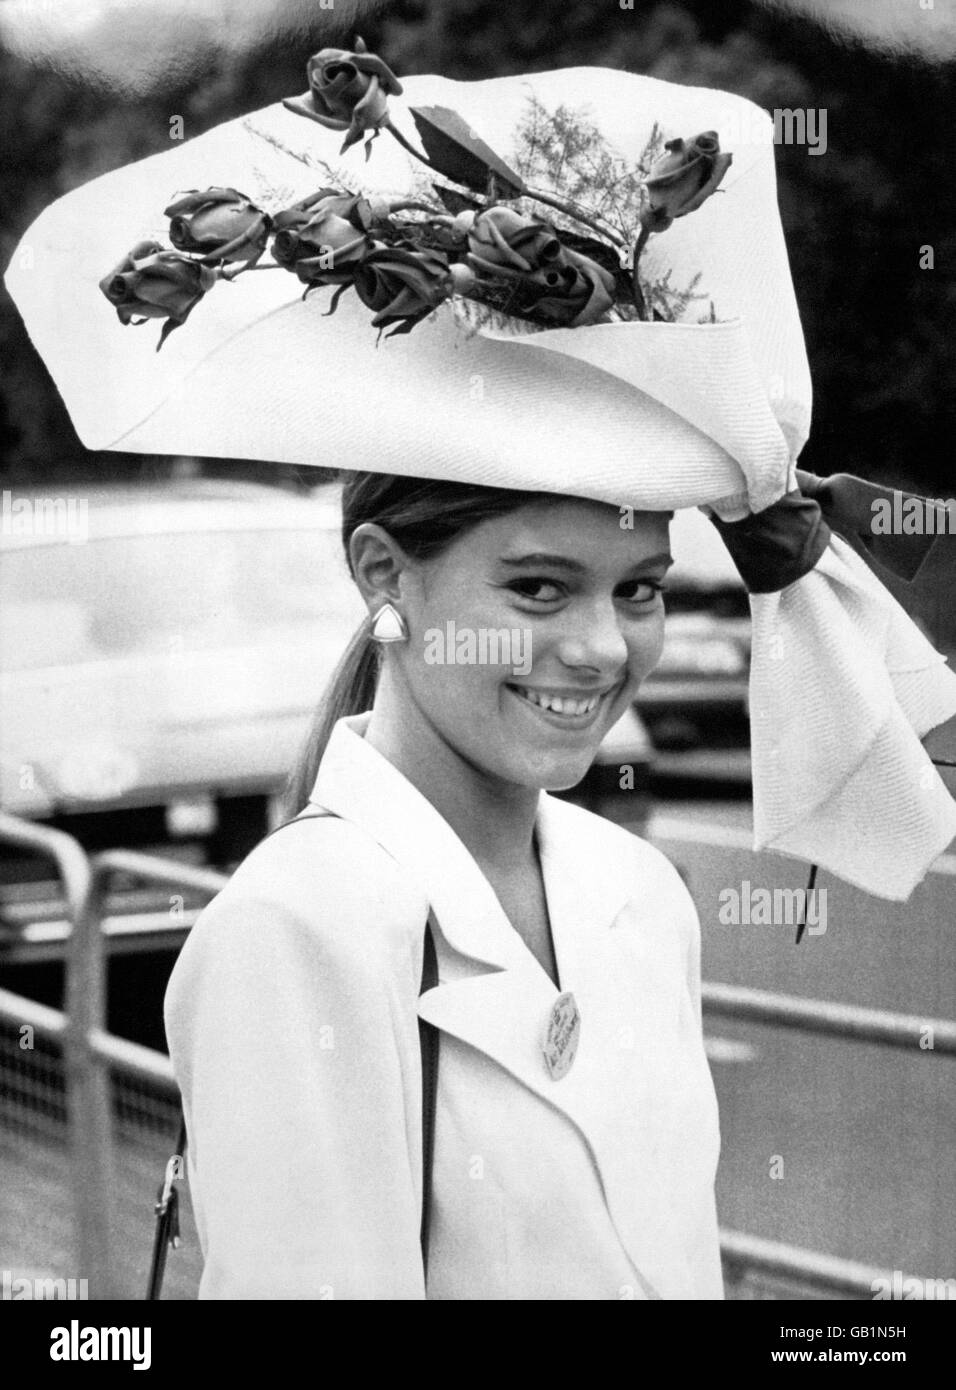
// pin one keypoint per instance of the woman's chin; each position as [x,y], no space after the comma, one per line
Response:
[555,773]
[563,784]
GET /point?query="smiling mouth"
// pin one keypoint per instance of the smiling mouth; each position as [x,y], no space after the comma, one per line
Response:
[562,709]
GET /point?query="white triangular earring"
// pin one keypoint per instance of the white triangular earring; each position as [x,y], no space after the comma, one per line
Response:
[388,625]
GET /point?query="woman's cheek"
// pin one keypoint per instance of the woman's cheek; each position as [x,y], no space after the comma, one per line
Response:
[648,644]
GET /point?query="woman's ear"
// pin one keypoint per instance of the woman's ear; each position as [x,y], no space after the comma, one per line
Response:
[378,563]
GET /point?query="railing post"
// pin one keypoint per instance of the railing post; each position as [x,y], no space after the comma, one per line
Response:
[91,1113]
[87,1080]
[94,1175]
[87,1009]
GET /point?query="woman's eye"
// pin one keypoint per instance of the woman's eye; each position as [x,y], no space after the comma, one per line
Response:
[642,590]
[543,590]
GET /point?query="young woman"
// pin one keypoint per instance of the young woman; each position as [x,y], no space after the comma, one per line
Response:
[608,317]
[292,1014]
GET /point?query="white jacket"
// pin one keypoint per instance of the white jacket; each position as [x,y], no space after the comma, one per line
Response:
[292,1024]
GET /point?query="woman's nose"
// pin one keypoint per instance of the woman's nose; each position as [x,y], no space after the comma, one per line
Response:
[595,638]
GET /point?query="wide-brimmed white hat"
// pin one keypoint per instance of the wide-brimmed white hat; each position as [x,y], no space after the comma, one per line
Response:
[710,408]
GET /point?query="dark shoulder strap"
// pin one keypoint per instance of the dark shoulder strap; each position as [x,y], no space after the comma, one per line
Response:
[428,1036]
[167,1204]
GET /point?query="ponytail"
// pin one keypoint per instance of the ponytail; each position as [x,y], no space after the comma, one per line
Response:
[351,690]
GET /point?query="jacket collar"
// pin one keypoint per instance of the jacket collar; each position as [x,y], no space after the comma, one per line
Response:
[359,784]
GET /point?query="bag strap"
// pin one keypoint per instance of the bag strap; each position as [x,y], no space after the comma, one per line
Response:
[167,1199]
[167,1215]
[428,1036]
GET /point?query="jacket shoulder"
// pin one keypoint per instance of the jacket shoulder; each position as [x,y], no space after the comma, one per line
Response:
[651,877]
[314,853]
[598,835]
[322,884]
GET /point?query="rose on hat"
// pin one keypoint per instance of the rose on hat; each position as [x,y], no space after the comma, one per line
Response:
[153,283]
[681,180]
[221,224]
[325,237]
[402,287]
[503,243]
[559,285]
[578,291]
[348,90]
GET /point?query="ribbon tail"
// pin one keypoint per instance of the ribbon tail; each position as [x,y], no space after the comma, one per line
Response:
[873,518]
[843,686]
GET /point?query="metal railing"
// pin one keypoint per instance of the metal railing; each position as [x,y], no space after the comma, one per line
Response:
[88,1049]
[86,1005]
[87,1098]
[848,1022]
[91,1052]
[744,1256]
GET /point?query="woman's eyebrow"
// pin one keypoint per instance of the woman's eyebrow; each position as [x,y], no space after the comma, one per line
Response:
[539,557]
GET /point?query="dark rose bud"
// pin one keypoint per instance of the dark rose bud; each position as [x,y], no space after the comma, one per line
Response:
[402,287]
[350,90]
[684,178]
[287,224]
[151,283]
[577,290]
[325,237]
[567,288]
[220,224]
[505,244]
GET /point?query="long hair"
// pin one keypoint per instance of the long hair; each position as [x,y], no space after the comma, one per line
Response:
[424,517]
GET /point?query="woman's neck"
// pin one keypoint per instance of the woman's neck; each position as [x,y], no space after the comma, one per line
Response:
[493,819]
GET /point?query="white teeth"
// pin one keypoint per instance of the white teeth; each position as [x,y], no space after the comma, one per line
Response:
[559,704]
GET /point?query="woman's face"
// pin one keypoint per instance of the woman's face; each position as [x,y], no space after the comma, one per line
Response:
[530,635]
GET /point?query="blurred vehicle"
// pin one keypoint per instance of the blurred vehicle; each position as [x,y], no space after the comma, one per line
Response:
[695,702]
[159,672]
[166,663]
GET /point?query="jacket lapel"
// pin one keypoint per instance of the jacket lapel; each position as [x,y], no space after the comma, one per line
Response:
[357,783]
[629,1091]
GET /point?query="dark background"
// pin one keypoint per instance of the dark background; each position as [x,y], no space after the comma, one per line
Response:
[879,329]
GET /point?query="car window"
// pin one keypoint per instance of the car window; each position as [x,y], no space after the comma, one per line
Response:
[113,597]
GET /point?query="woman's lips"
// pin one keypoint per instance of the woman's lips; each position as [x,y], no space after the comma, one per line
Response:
[563,711]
